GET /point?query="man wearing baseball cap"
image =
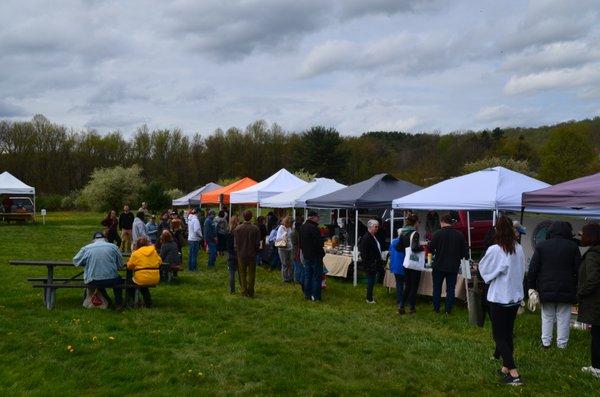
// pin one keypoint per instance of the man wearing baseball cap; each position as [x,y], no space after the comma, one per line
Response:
[101,261]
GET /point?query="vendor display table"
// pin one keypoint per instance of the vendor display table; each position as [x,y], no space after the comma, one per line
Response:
[426,284]
[337,265]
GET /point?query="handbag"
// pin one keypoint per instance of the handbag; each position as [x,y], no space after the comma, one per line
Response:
[413,260]
[94,299]
[282,242]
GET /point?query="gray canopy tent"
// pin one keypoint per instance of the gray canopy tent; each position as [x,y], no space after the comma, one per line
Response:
[376,192]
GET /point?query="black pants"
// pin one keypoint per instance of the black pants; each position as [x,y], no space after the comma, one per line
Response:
[371,279]
[113,282]
[412,278]
[596,346]
[503,323]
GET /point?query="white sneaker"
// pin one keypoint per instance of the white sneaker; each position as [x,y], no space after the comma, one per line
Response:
[591,370]
[371,302]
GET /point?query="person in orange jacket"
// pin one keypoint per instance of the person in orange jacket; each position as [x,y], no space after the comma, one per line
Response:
[144,263]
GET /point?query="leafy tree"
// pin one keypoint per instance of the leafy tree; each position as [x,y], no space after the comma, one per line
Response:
[110,188]
[155,195]
[305,175]
[568,154]
[319,151]
[521,166]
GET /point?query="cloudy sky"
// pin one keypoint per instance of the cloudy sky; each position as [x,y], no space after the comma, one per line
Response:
[355,65]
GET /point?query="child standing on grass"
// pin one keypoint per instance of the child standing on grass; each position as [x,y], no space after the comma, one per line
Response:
[503,267]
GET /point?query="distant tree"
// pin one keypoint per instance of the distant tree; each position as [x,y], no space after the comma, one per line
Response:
[110,188]
[305,175]
[319,151]
[155,195]
[174,193]
[521,166]
[568,154]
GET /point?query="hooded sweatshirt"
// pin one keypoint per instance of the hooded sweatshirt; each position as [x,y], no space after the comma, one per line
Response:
[145,262]
[554,266]
[398,248]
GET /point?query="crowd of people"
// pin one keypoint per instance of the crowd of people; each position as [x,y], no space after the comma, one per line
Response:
[558,275]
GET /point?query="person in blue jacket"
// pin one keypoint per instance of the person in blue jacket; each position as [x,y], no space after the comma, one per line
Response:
[407,280]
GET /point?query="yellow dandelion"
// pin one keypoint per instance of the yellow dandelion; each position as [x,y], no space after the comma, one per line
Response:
[94,338]
[69,347]
[111,337]
[189,371]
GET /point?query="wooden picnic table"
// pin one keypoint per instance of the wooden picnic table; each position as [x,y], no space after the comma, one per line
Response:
[48,281]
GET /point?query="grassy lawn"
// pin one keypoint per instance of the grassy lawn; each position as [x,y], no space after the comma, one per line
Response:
[200,340]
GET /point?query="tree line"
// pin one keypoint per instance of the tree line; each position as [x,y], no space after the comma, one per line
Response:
[58,160]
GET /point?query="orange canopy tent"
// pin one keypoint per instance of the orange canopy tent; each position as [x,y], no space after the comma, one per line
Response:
[224,193]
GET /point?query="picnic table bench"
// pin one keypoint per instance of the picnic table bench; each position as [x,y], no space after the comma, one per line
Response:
[50,283]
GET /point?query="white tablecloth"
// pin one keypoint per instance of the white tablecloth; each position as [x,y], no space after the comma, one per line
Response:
[337,265]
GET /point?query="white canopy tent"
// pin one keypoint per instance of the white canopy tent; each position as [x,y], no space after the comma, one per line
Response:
[11,185]
[494,189]
[281,181]
[193,198]
[296,198]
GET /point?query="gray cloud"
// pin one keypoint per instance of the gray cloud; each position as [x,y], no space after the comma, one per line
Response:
[360,8]
[9,110]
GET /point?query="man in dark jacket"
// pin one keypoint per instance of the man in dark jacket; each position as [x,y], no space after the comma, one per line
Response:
[553,274]
[126,224]
[311,245]
[448,247]
[370,255]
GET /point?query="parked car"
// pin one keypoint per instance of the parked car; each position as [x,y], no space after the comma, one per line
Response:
[21,209]
[21,204]
[481,223]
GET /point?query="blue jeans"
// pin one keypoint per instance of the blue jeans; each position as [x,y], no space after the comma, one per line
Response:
[212,254]
[298,272]
[399,290]
[313,273]
[232,268]
[193,259]
[111,282]
[438,279]
[275,259]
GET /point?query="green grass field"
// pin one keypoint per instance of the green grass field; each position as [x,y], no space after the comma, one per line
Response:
[200,340]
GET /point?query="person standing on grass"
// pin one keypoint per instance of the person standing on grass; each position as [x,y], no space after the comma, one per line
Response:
[126,224]
[503,267]
[407,236]
[370,253]
[210,236]
[232,254]
[139,227]
[144,263]
[260,255]
[102,261]
[283,241]
[311,246]
[152,229]
[552,277]
[222,232]
[448,247]
[111,225]
[246,241]
[588,292]
[194,237]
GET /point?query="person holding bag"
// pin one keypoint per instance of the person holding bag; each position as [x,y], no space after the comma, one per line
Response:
[407,272]
[283,243]
[370,253]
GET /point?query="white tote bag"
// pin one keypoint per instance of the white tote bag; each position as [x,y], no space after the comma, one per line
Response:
[413,260]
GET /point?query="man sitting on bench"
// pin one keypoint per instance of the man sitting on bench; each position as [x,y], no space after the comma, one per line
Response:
[102,260]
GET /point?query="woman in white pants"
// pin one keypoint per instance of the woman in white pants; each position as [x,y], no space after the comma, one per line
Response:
[552,279]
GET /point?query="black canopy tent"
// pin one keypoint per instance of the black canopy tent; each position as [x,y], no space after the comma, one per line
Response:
[376,192]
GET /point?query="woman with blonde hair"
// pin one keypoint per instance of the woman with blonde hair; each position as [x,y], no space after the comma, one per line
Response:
[232,259]
[144,262]
[283,243]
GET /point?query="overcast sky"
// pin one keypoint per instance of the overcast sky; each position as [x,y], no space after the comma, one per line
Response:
[355,65]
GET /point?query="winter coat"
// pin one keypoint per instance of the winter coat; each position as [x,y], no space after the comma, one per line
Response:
[448,247]
[370,253]
[588,289]
[554,266]
[311,242]
[210,230]
[169,253]
[145,262]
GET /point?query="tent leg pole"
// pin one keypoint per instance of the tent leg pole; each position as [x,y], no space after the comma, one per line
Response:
[257,210]
[391,227]
[355,253]
[293,215]
[469,231]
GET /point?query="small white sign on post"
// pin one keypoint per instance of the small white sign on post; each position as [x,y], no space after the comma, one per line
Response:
[43,212]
